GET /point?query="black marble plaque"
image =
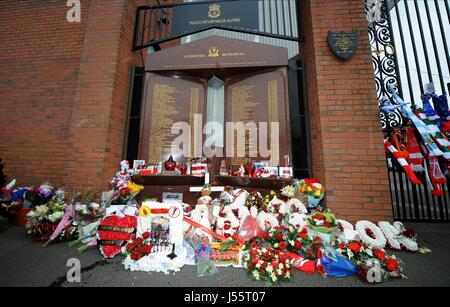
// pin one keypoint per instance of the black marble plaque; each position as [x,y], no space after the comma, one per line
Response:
[344,44]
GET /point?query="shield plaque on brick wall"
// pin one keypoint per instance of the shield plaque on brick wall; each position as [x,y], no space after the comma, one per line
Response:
[344,44]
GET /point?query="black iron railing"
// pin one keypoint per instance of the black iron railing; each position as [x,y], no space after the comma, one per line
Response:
[416,203]
[410,48]
[154,23]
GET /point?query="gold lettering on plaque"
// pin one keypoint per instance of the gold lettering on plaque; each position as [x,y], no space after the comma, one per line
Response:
[242,109]
[272,94]
[194,109]
[163,108]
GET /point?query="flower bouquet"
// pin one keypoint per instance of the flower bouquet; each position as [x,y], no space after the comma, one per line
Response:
[314,190]
[138,248]
[43,220]
[126,192]
[373,264]
[267,264]
[323,222]
[86,210]
[299,246]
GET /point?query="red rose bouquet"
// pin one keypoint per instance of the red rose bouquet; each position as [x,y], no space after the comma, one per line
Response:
[267,264]
[138,248]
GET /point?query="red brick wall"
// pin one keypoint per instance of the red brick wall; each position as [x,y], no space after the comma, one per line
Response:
[347,141]
[64,89]
[39,64]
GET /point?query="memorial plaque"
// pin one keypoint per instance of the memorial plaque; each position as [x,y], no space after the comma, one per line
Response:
[234,14]
[343,44]
[254,101]
[170,101]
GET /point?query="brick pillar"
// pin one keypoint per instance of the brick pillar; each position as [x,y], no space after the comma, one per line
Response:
[346,136]
[97,125]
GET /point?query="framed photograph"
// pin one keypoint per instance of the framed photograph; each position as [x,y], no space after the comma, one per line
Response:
[138,164]
[270,172]
[286,172]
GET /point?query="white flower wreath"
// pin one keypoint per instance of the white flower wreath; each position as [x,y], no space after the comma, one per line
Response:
[379,241]
[395,238]
[349,233]
[297,204]
[266,221]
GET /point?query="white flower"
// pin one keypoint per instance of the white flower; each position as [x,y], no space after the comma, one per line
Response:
[291,242]
[369,252]
[288,191]
[281,266]
[274,278]
[256,275]
[280,272]
[57,216]
[288,275]
[350,254]
[40,211]
[269,268]
[258,265]
[95,206]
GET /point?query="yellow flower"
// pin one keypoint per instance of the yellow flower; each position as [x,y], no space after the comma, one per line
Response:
[145,211]
[134,187]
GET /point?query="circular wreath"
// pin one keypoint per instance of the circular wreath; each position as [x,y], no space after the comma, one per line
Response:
[295,205]
[267,221]
[378,241]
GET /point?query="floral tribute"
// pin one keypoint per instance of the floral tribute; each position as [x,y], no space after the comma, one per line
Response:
[270,236]
[374,265]
[323,221]
[43,219]
[138,248]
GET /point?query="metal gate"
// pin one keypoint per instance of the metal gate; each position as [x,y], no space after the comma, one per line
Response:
[410,48]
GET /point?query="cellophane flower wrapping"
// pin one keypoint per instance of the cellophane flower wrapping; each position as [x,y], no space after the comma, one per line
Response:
[334,265]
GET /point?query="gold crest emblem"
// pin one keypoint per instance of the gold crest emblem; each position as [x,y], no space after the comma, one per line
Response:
[213,52]
[214,11]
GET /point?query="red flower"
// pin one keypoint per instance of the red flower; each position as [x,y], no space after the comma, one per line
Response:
[255,260]
[391,264]
[321,270]
[342,246]
[318,239]
[326,224]
[302,235]
[253,245]
[297,245]
[266,236]
[282,245]
[379,254]
[279,236]
[264,265]
[319,254]
[134,257]
[309,252]
[253,253]
[125,191]
[274,264]
[139,241]
[130,247]
[147,249]
[282,257]
[146,235]
[354,247]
